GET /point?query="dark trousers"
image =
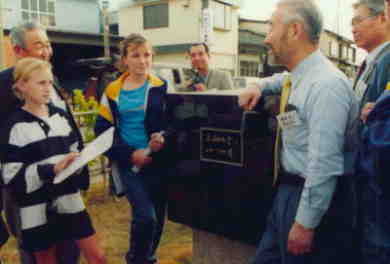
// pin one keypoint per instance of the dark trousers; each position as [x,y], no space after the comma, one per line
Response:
[4,235]
[147,196]
[374,222]
[67,251]
[333,237]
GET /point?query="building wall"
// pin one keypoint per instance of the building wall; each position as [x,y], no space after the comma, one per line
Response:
[8,54]
[249,57]
[11,14]
[78,15]
[175,58]
[71,15]
[224,50]
[184,23]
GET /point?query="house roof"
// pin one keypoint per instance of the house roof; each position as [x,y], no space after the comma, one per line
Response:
[248,37]
[174,48]
[253,20]
[72,37]
[339,36]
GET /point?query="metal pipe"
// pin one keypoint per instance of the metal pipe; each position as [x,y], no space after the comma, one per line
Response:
[2,57]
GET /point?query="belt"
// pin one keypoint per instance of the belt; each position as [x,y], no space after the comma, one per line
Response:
[291,179]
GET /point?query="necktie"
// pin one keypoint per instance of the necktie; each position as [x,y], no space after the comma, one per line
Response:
[283,103]
[362,68]
[359,73]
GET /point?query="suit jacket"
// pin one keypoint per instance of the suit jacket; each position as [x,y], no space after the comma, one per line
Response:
[8,101]
[376,84]
[378,79]
[219,80]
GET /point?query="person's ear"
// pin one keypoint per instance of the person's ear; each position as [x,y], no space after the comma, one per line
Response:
[295,30]
[19,51]
[382,18]
[20,86]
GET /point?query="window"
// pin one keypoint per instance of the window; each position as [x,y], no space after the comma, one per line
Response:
[222,16]
[345,52]
[335,49]
[42,11]
[249,68]
[351,57]
[330,50]
[156,16]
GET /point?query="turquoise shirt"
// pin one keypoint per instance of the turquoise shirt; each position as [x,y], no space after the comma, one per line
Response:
[131,109]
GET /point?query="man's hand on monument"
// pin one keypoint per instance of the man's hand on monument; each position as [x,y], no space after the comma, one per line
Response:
[200,87]
[250,97]
[300,239]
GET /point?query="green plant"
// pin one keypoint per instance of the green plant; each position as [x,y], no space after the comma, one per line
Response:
[87,110]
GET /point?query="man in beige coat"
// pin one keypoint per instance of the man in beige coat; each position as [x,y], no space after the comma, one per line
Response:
[206,78]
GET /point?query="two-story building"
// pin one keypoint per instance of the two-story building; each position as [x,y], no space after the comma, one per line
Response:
[173,26]
[237,44]
[340,50]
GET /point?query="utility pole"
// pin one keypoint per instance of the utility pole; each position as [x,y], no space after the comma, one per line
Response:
[106,28]
[205,4]
[2,57]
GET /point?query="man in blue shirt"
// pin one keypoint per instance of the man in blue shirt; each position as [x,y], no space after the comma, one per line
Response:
[311,218]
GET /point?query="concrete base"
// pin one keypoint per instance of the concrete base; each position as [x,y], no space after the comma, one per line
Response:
[213,249]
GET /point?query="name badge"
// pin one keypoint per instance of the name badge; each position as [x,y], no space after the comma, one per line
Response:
[289,119]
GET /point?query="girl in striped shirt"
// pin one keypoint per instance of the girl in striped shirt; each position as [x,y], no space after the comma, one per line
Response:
[40,144]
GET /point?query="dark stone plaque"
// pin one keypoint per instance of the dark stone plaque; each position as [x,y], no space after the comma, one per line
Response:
[221,146]
[222,178]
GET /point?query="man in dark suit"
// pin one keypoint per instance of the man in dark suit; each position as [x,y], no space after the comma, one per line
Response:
[371,33]
[30,40]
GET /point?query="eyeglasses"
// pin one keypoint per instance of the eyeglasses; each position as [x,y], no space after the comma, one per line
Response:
[359,19]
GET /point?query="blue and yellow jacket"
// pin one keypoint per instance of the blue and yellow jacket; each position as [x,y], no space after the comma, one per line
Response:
[155,121]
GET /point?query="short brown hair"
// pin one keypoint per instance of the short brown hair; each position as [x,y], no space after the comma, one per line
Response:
[133,39]
[206,47]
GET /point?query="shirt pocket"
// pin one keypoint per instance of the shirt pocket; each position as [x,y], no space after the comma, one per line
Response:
[295,136]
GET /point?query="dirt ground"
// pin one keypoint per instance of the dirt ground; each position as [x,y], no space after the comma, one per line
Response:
[111,220]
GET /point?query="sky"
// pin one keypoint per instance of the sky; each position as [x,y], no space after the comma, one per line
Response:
[337,13]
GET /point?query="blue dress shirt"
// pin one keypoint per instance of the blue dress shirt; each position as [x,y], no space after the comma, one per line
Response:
[314,149]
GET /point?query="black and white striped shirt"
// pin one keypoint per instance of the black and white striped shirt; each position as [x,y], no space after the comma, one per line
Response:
[33,147]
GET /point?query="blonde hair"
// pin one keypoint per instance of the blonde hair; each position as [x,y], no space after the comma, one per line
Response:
[23,70]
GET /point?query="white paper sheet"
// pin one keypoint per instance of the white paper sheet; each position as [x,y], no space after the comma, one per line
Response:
[97,147]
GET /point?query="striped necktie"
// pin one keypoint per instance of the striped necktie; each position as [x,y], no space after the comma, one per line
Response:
[359,74]
[283,103]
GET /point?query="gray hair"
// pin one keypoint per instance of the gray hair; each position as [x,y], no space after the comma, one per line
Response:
[18,32]
[307,12]
[375,6]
